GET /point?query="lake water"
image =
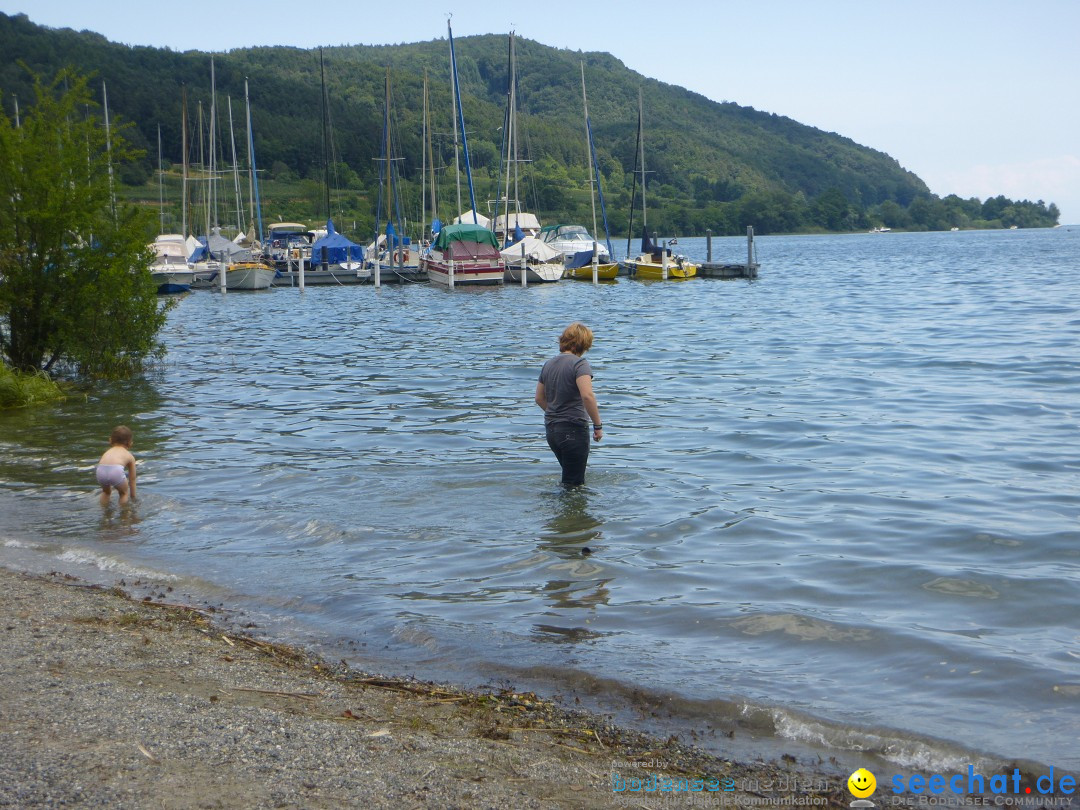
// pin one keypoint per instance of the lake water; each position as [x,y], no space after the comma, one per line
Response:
[835,510]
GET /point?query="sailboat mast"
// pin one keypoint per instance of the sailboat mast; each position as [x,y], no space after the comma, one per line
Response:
[431,158]
[108,149]
[211,211]
[453,116]
[588,147]
[461,122]
[325,133]
[386,145]
[508,136]
[251,160]
[423,165]
[633,192]
[236,174]
[514,131]
[203,168]
[641,147]
[160,185]
[184,149]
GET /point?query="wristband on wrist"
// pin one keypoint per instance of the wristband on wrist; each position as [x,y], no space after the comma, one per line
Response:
[598,427]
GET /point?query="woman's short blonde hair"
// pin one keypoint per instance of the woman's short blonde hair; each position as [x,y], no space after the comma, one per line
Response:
[576,338]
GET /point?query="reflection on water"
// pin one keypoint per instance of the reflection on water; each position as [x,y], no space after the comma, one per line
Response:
[118,523]
[837,500]
[573,534]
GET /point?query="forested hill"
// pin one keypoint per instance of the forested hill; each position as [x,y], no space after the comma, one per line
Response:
[711,165]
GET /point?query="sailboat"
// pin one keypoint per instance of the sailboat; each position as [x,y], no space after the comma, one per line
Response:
[329,257]
[246,270]
[654,262]
[463,254]
[392,250]
[169,269]
[578,247]
[528,260]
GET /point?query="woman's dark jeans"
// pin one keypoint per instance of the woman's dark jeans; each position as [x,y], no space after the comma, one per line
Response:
[569,441]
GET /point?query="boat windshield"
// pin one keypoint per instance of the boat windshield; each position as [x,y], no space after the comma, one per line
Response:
[570,233]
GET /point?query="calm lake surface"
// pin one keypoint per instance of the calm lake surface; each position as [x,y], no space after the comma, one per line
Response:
[836,509]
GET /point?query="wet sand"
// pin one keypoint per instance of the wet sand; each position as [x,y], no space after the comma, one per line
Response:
[110,702]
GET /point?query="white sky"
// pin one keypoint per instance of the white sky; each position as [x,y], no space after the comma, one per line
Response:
[978,98]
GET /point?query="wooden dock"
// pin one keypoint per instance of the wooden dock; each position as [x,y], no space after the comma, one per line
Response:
[711,269]
[718,270]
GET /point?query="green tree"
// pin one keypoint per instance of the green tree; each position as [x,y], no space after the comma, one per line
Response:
[75,287]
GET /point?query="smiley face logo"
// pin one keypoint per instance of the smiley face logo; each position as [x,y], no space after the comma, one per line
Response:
[861,783]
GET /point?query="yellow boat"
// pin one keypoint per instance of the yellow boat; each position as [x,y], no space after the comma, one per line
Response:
[604,272]
[648,267]
[650,264]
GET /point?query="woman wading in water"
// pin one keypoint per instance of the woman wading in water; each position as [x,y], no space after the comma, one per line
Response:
[565,394]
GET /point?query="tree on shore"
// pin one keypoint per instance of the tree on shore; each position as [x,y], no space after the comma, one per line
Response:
[75,288]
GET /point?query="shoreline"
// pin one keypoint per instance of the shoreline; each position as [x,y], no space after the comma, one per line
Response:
[111,702]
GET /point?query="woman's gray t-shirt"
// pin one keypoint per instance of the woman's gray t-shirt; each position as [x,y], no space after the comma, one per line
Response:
[559,378]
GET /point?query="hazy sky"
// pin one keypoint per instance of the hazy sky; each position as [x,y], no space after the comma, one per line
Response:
[977,98]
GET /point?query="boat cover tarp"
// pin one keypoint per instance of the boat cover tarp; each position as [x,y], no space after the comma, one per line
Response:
[196,249]
[466,233]
[582,258]
[534,249]
[339,248]
[194,245]
[467,219]
[465,251]
[647,244]
[223,249]
[523,220]
[395,240]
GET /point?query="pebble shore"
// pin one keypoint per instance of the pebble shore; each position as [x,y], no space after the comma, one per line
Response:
[110,702]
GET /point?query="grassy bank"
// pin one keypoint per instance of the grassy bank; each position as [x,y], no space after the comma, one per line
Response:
[21,389]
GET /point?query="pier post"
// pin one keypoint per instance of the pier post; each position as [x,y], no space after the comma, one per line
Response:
[708,246]
[749,249]
[663,261]
[595,263]
[524,265]
[300,277]
[378,265]
[223,276]
[450,266]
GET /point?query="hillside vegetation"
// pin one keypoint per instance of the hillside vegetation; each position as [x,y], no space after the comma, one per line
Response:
[717,166]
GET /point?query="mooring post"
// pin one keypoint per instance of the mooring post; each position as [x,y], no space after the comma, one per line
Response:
[708,246]
[378,264]
[663,259]
[450,266]
[300,276]
[595,263]
[749,249]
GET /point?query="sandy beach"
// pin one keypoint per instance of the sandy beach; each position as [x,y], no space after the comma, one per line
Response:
[110,702]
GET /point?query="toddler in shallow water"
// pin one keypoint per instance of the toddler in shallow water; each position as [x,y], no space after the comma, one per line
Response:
[117,467]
